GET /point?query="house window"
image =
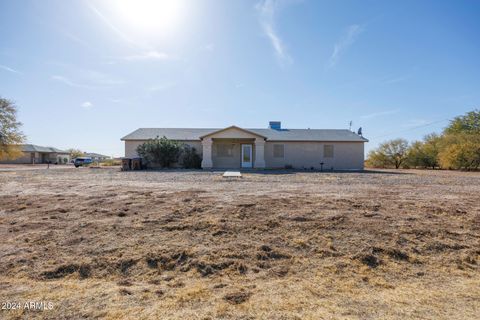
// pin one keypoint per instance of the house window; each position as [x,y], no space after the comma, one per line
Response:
[328,151]
[278,151]
[225,150]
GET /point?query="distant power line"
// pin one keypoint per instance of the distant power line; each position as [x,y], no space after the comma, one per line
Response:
[412,128]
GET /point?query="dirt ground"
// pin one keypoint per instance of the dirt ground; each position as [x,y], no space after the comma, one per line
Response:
[100,243]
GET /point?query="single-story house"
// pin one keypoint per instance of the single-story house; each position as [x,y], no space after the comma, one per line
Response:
[96,156]
[32,154]
[274,147]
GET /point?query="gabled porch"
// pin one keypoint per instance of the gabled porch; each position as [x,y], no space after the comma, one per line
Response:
[233,147]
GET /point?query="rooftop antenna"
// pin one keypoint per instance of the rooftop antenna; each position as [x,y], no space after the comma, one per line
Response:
[350,125]
[360,132]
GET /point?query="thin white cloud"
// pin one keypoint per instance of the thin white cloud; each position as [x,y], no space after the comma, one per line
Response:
[88,79]
[126,101]
[87,105]
[209,47]
[9,69]
[379,114]
[344,43]
[415,123]
[397,79]
[161,87]
[99,79]
[69,82]
[267,11]
[149,55]
[116,100]
[74,38]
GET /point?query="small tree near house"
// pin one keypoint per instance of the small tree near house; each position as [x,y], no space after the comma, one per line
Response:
[10,135]
[424,153]
[165,153]
[75,153]
[390,153]
[161,151]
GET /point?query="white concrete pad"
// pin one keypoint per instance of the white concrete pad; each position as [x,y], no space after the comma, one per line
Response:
[232,174]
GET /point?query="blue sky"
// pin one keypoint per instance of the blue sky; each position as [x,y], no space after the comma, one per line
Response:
[86,73]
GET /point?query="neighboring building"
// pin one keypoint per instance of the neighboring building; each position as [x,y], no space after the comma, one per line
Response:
[96,156]
[235,147]
[33,154]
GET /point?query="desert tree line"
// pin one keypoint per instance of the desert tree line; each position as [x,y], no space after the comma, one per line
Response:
[457,147]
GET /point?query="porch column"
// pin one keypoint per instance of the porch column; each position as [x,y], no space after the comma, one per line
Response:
[259,153]
[207,153]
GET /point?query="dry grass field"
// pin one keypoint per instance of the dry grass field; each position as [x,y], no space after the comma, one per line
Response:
[100,243]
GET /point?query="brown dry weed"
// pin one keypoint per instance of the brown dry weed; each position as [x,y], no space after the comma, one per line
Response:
[279,245]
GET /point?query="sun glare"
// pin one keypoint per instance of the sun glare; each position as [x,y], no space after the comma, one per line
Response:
[150,16]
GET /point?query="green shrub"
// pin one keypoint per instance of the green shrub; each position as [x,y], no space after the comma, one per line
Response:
[161,151]
[166,153]
[189,158]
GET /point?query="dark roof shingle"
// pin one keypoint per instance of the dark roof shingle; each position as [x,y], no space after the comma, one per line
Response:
[271,134]
[35,148]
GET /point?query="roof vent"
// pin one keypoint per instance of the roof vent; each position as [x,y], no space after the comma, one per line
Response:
[275,125]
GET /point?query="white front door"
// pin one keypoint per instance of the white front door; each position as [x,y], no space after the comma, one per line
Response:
[247,161]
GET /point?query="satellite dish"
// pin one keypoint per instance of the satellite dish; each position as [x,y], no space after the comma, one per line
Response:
[359,131]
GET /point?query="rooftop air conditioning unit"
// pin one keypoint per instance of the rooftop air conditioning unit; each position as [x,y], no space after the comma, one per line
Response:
[275,125]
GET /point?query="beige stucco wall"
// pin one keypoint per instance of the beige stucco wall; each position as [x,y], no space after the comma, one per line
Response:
[131,148]
[347,155]
[58,157]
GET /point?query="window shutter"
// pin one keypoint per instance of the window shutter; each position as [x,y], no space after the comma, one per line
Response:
[278,151]
[328,151]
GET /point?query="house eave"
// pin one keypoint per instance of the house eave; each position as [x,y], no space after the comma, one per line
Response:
[232,127]
[306,140]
